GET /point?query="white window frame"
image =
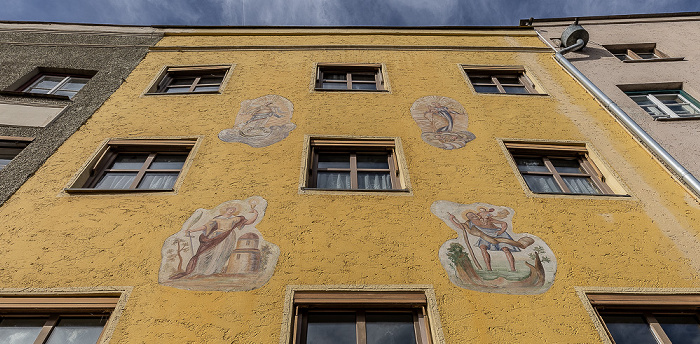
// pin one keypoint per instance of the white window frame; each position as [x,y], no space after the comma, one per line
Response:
[665,109]
[59,86]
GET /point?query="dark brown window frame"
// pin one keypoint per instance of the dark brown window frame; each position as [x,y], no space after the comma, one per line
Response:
[353,147]
[54,308]
[547,152]
[494,72]
[11,146]
[164,82]
[115,147]
[361,303]
[645,305]
[349,70]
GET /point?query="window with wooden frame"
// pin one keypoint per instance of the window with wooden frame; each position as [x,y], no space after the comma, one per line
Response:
[345,164]
[643,52]
[666,104]
[648,319]
[136,165]
[10,147]
[558,169]
[505,80]
[360,318]
[54,320]
[206,79]
[58,84]
[349,77]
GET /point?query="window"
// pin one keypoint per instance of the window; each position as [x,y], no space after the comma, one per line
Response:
[360,317]
[558,169]
[346,164]
[191,80]
[652,319]
[509,80]
[10,147]
[136,165]
[667,104]
[54,320]
[344,77]
[643,52]
[56,84]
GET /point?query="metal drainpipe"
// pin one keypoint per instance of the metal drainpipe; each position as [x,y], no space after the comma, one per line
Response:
[686,177]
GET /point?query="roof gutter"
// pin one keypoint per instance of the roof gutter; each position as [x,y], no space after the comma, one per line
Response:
[659,152]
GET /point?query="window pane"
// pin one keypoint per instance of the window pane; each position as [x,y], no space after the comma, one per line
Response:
[4,162]
[152,180]
[335,76]
[211,80]
[629,329]
[168,162]
[77,331]
[388,328]
[335,85]
[68,94]
[567,166]
[509,80]
[363,77]
[374,180]
[177,90]
[74,84]
[356,86]
[622,57]
[331,328]
[486,89]
[581,185]
[642,100]
[333,180]
[206,88]
[682,110]
[129,161]
[646,56]
[116,180]
[182,81]
[333,160]
[531,165]
[372,161]
[680,329]
[542,183]
[481,80]
[516,89]
[20,330]
[48,82]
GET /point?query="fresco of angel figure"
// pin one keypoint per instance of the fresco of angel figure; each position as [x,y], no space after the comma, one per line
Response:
[261,122]
[509,263]
[443,122]
[220,249]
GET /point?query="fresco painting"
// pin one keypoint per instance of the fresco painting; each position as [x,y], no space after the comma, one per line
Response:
[443,122]
[488,256]
[220,249]
[261,122]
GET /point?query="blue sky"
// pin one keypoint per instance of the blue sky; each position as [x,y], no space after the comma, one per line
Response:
[325,12]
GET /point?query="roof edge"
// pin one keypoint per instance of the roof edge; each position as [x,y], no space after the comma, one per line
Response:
[526,22]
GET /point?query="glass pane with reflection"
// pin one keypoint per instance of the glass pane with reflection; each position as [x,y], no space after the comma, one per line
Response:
[335,85]
[168,162]
[374,180]
[363,86]
[486,89]
[372,161]
[567,166]
[158,181]
[331,328]
[390,328]
[20,330]
[116,180]
[129,161]
[680,329]
[545,184]
[629,329]
[531,165]
[515,89]
[77,331]
[333,180]
[326,160]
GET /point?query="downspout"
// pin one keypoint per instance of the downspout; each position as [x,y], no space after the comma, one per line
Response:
[686,177]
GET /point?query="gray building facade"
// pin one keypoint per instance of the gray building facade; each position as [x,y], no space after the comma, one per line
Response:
[52,78]
[649,65]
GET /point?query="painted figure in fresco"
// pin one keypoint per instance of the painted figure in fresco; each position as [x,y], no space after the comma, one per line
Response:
[255,126]
[443,122]
[261,121]
[492,228]
[216,242]
[438,115]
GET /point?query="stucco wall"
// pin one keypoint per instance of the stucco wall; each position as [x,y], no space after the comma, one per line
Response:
[645,240]
[672,37]
[111,51]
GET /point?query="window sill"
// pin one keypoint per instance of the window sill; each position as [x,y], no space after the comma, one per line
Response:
[665,59]
[342,90]
[113,191]
[33,95]
[513,94]
[663,119]
[355,192]
[578,194]
[180,93]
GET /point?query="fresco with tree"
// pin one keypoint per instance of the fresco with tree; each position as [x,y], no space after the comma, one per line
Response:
[488,255]
[261,122]
[220,249]
[443,122]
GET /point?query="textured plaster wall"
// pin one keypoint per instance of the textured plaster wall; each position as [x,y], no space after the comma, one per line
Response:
[680,138]
[645,240]
[111,51]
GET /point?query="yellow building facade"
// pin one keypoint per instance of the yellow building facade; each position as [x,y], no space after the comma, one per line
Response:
[255,185]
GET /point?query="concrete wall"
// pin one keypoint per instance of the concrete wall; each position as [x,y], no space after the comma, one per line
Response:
[673,36]
[112,51]
[647,239]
